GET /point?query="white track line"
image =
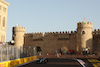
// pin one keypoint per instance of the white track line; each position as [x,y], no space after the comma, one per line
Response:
[81,62]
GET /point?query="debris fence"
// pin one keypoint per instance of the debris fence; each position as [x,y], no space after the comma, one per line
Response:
[15,52]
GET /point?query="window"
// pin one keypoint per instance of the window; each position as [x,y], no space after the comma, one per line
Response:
[4,9]
[4,22]
[83,32]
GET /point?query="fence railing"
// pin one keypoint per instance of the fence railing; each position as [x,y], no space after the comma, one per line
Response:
[15,52]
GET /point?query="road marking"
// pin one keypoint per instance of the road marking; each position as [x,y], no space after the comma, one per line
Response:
[81,62]
[94,62]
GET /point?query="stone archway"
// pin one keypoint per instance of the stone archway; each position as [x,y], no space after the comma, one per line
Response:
[39,51]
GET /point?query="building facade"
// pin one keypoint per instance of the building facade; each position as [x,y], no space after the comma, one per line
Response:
[50,42]
[3,20]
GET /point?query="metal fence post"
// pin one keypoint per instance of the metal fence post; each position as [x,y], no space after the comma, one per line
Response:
[35,51]
[7,53]
[13,51]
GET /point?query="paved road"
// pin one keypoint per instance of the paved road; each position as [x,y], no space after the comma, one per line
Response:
[60,62]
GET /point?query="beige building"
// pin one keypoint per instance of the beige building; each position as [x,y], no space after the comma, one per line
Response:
[3,20]
[50,42]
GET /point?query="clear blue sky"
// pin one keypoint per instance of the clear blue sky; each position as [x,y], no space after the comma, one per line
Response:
[51,15]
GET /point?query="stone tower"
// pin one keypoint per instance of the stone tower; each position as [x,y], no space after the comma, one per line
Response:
[84,36]
[3,20]
[18,35]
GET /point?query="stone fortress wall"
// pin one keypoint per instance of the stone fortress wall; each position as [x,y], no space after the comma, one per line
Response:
[96,41]
[51,41]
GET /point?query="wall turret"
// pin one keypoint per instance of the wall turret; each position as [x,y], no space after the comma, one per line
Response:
[84,35]
[18,35]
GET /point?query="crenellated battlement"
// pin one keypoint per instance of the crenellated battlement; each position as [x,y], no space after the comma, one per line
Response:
[84,25]
[96,31]
[47,33]
[19,28]
[61,32]
[33,33]
[41,35]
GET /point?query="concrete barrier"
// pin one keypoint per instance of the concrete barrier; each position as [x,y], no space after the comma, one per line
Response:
[15,62]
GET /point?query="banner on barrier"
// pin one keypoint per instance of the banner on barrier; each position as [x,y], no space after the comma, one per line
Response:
[17,61]
[4,64]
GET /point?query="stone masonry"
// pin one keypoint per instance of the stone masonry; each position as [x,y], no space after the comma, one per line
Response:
[51,41]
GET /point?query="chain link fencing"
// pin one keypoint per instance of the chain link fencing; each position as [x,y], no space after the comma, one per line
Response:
[14,52]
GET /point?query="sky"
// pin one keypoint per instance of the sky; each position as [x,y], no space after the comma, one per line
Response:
[51,15]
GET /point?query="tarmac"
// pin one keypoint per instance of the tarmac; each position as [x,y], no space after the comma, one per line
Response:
[61,62]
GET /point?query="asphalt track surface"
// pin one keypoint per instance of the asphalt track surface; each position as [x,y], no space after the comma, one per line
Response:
[59,62]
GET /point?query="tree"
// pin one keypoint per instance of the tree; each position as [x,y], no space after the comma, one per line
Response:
[11,42]
[64,49]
